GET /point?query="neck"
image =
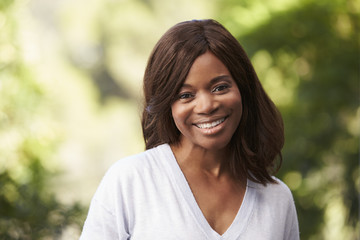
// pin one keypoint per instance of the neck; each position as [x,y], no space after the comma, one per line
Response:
[194,158]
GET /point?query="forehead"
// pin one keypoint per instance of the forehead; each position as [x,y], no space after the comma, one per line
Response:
[206,68]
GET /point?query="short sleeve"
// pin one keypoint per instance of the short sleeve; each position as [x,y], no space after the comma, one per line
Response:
[292,224]
[106,218]
[100,224]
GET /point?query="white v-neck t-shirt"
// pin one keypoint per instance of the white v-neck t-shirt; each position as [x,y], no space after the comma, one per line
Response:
[147,197]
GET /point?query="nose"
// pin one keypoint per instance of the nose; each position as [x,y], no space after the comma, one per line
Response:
[205,103]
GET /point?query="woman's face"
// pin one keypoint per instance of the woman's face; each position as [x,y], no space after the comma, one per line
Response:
[208,107]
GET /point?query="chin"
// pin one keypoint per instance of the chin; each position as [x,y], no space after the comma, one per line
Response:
[214,145]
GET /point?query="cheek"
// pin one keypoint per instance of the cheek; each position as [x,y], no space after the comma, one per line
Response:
[238,101]
[239,108]
[178,115]
[234,101]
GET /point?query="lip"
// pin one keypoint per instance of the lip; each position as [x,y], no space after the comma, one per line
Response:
[210,120]
[211,126]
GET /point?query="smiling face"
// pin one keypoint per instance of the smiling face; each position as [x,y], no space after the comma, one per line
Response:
[208,107]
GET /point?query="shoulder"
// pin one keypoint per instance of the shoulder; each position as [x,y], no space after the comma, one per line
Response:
[130,172]
[278,186]
[138,163]
[274,209]
[274,198]
[277,192]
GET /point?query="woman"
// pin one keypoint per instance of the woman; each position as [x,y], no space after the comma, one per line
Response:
[213,140]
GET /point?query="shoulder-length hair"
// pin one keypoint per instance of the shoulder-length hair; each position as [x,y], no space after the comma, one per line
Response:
[256,144]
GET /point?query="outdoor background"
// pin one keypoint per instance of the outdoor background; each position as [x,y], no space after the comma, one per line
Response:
[70,100]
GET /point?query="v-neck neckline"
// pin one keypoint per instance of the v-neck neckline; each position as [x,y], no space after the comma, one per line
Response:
[240,221]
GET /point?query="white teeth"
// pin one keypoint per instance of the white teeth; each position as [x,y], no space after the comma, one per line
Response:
[210,125]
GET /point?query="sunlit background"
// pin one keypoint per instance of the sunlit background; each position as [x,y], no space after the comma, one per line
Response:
[70,101]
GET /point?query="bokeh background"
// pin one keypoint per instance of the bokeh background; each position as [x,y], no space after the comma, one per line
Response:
[70,101]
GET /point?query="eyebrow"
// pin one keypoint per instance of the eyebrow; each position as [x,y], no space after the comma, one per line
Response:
[220,78]
[212,81]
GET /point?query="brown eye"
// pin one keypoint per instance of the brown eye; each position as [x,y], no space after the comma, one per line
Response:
[185,95]
[220,88]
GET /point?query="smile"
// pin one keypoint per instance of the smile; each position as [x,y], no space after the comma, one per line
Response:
[211,124]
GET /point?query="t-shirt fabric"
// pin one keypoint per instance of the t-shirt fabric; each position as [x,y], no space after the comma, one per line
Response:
[147,197]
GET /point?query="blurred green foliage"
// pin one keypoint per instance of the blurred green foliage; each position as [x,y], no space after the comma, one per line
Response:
[308,60]
[57,82]
[28,207]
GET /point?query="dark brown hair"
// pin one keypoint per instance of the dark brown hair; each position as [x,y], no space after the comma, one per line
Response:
[259,138]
